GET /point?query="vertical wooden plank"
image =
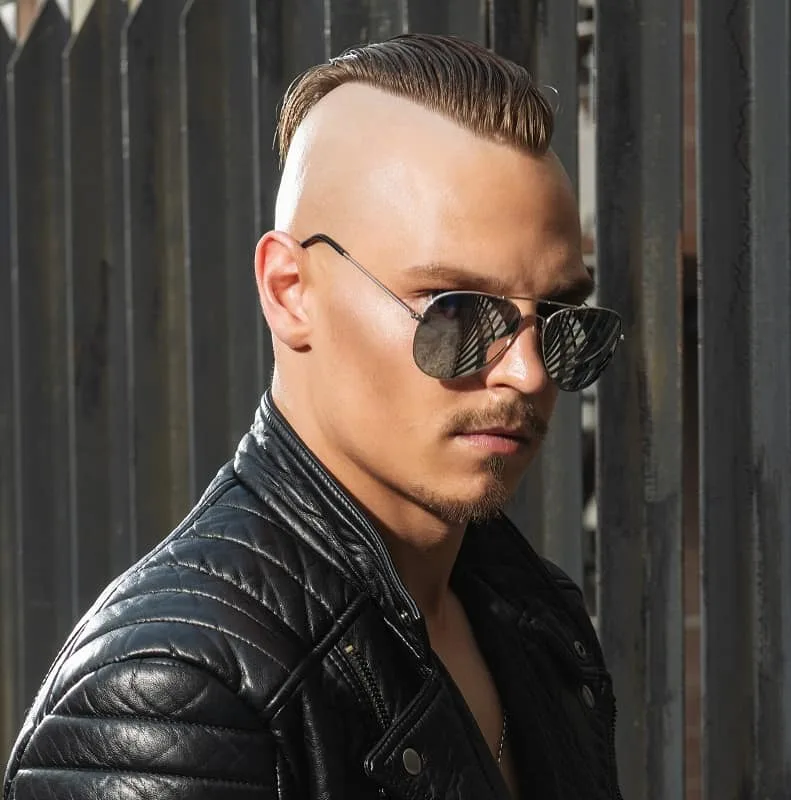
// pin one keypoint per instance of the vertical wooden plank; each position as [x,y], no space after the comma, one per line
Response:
[639,481]
[269,84]
[96,296]
[9,702]
[770,382]
[513,25]
[45,598]
[465,18]
[219,201]
[355,22]
[155,270]
[724,241]
[305,35]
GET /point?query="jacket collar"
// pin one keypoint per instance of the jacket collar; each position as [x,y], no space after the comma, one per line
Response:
[279,468]
[274,463]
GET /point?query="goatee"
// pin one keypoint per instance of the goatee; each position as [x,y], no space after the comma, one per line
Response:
[483,508]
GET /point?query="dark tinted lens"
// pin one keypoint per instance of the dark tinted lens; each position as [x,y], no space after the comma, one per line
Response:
[577,345]
[461,332]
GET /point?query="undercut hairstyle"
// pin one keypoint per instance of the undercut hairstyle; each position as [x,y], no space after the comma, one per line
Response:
[487,94]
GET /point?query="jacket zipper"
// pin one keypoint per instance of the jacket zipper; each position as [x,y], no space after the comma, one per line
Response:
[363,672]
[611,747]
[366,677]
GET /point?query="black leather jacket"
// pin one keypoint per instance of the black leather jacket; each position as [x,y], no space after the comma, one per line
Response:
[267,649]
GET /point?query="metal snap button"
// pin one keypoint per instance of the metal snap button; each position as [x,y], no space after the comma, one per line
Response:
[580,650]
[413,763]
[587,696]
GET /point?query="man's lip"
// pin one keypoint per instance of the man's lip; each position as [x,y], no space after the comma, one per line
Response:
[508,433]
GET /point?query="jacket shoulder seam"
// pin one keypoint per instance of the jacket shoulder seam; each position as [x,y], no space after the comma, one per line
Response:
[119,771]
[162,719]
[271,560]
[208,596]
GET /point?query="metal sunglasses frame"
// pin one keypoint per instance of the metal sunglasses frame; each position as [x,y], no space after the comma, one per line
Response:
[323,238]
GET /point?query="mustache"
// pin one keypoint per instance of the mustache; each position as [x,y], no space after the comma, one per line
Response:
[522,416]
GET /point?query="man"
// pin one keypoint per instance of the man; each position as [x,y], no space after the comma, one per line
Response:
[346,613]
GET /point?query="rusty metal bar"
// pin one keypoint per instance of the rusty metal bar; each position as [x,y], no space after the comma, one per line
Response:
[725,241]
[219,201]
[770,382]
[639,445]
[9,697]
[269,83]
[465,18]
[305,36]
[354,22]
[45,602]
[96,295]
[155,271]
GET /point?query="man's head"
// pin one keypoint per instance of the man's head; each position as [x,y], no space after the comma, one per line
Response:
[427,159]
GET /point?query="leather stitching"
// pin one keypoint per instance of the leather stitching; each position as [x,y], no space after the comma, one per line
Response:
[195,623]
[351,576]
[161,661]
[226,603]
[137,773]
[170,721]
[268,557]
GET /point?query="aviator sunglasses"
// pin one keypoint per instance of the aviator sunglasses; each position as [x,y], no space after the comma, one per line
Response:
[460,333]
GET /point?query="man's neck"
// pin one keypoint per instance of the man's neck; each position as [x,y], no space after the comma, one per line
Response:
[424,555]
[423,547]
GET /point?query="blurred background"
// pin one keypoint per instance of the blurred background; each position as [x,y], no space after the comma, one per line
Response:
[136,174]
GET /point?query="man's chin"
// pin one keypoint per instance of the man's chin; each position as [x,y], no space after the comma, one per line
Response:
[479,506]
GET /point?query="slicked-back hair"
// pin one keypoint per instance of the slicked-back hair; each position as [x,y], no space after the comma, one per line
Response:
[485,93]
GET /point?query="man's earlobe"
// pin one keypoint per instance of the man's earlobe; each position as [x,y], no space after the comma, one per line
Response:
[281,287]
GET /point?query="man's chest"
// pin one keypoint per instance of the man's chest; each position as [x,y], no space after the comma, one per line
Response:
[457,648]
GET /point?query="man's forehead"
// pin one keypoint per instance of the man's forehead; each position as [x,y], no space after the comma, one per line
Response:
[568,280]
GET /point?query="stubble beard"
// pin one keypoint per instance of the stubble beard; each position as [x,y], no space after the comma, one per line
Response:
[489,505]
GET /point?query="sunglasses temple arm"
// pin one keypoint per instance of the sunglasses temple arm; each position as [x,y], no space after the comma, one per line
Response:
[412,313]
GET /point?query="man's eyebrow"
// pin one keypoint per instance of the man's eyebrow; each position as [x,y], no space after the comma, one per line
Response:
[573,292]
[451,276]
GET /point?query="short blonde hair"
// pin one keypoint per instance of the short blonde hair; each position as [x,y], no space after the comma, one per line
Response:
[463,81]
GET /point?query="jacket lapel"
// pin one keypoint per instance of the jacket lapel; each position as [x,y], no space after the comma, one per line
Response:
[429,754]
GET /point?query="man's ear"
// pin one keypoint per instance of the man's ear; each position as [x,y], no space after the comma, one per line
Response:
[281,287]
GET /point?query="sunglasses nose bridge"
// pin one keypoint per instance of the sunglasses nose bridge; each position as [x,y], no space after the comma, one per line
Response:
[521,362]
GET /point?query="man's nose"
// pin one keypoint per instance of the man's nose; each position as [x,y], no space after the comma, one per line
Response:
[521,366]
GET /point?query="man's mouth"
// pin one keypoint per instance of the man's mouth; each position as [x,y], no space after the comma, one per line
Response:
[498,441]
[521,434]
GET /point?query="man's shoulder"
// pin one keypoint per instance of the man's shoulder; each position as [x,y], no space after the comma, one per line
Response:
[200,639]
[232,591]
